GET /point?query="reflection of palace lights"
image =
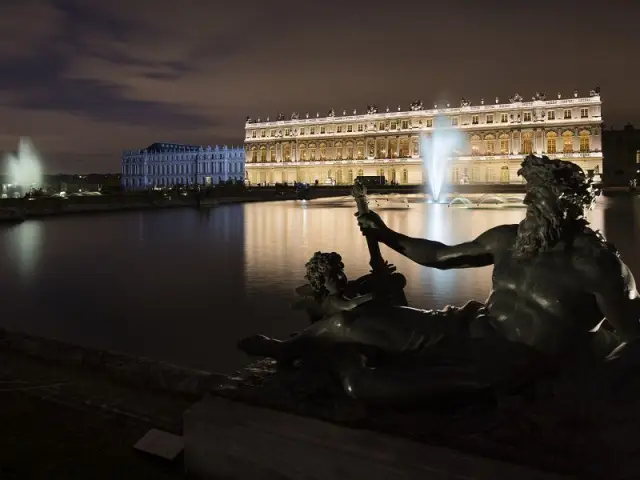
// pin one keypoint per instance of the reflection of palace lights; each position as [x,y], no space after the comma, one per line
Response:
[25,244]
[280,237]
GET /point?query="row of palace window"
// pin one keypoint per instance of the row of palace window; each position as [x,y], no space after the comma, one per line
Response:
[526,117]
[339,177]
[401,149]
[190,157]
[171,181]
[404,124]
[342,153]
[180,169]
[461,175]
[527,143]
[458,175]
[324,129]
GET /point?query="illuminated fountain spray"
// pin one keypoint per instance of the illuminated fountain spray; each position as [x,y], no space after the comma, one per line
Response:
[25,168]
[437,150]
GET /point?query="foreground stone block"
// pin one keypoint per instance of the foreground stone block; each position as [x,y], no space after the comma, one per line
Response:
[229,439]
[161,444]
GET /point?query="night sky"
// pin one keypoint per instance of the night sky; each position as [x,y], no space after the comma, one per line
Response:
[88,78]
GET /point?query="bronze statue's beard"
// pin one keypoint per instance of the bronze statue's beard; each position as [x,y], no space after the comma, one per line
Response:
[539,231]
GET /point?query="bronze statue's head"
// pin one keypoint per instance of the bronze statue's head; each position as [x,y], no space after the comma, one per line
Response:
[325,273]
[557,194]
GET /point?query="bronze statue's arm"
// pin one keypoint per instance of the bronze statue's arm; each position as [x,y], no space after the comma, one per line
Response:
[476,253]
[351,303]
[617,297]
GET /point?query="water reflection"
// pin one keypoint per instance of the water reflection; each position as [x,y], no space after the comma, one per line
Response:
[183,285]
[281,237]
[24,248]
[434,282]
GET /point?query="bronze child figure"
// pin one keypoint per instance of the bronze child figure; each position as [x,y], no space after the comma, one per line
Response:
[328,284]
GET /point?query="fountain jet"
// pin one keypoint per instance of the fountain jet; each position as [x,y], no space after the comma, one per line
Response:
[25,167]
[437,150]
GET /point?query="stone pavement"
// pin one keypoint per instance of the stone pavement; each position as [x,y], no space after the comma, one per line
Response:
[65,423]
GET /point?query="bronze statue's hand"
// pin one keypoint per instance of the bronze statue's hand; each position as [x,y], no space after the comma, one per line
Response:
[370,221]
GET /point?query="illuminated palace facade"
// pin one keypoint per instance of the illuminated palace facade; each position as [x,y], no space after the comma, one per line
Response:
[496,137]
[170,164]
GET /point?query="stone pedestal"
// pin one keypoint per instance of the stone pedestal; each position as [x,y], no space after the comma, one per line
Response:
[229,439]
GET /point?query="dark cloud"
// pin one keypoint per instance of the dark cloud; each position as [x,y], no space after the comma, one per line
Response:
[110,74]
[37,81]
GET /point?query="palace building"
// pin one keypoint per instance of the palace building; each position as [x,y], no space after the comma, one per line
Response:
[495,139]
[170,164]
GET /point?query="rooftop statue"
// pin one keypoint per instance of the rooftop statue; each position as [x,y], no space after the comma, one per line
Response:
[560,296]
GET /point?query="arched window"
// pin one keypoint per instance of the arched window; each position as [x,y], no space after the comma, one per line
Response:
[360,150]
[339,151]
[371,148]
[393,148]
[527,143]
[475,145]
[360,172]
[567,142]
[272,154]
[287,152]
[405,176]
[585,144]
[552,142]
[394,178]
[415,147]
[303,152]
[350,154]
[504,174]
[490,177]
[404,148]
[339,176]
[263,154]
[312,151]
[323,151]
[350,177]
[489,144]
[504,144]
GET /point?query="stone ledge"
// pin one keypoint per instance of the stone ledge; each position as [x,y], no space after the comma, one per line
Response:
[128,369]
[229,439]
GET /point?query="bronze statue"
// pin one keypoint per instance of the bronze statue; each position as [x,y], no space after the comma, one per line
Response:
[560,292]
[328,291]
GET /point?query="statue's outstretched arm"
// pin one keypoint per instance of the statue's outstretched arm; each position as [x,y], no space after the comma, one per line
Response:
[618,299]
[476,253]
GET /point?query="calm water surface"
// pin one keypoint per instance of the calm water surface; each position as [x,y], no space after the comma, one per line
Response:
[183,286]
